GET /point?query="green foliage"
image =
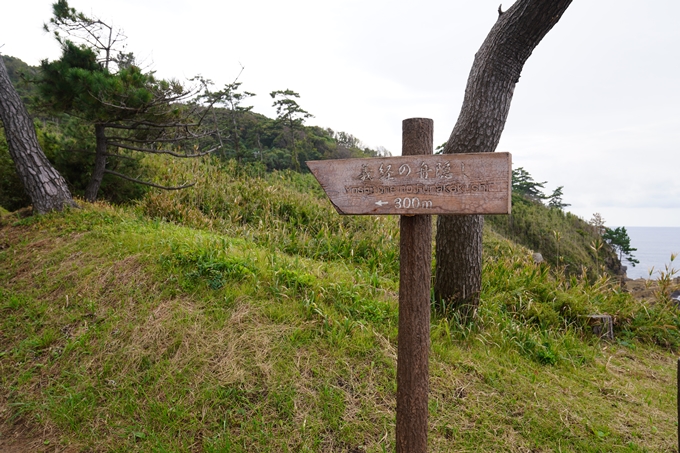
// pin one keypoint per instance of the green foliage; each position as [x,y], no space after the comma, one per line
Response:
[561,237]
[129,110]
[211,265]
[286,211]
[523,184]
[70,145]
[619,240]
[74,81]
[232,97]
[534,307]
[555,199]
[291,116]
[21,75]
[288,111]
[78,84]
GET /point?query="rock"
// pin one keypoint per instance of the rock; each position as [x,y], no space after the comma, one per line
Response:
[602,326]
[675,297]
[538,258]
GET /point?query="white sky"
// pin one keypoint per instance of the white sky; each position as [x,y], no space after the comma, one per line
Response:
[597,109]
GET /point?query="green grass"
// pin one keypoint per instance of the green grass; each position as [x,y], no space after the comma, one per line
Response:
[198,321]
[561,237]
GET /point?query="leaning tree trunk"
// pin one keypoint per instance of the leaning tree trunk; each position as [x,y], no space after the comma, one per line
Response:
[491,84]
[99,164]
[43,184]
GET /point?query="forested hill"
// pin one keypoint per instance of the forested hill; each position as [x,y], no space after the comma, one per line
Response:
[256,138]
[253,139]
[21,75]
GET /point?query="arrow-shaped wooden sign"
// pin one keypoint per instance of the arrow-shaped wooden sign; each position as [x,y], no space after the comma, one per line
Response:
[414,186]
[475,183]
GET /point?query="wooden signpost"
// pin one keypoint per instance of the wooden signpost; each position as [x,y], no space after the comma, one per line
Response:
[418,184]
[415,186]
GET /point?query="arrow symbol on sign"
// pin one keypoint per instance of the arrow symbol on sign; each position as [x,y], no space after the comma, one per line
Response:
[381,203]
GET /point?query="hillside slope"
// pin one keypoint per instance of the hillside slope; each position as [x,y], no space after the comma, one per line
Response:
[562,238]
[247,316]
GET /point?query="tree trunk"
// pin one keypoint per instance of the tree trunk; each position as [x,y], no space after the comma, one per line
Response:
[491,84]
[43,184]
[458,275]
[99,164]
[236,138]
[293,150]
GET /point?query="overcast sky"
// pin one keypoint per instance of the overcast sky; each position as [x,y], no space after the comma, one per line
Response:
[597,109]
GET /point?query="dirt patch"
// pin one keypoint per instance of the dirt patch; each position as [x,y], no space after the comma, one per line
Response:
[18,437]
[20,445]
[26,444]
[640,288]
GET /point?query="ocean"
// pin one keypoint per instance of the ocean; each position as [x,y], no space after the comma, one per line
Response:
[654,247]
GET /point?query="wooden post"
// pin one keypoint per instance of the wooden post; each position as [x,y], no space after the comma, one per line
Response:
[415,186]
[413,340]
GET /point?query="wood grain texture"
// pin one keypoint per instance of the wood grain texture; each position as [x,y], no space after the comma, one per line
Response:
[407,185]
[413,341]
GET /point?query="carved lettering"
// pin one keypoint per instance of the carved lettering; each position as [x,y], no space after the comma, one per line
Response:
[385,172]
[437,170]
[425,171]
[418,188]
[442,184]
[404,170]
[365,174]
[443,171]
[412,203]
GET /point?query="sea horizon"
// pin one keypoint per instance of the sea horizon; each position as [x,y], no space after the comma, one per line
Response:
[654,248]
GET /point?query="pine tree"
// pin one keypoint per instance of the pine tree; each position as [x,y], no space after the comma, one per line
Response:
[523,183]
[130,111]
[555,199]
[292,117]
[619,240]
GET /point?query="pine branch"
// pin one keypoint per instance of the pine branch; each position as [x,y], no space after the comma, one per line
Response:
[147,183]
[158,151]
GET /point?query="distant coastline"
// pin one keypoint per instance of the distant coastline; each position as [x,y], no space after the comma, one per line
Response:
[654,248]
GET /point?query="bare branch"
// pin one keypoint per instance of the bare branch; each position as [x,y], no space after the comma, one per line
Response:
[136,125]
[147,183]
[93,153]
[159,151]
[120,156]
[159,139]
[156,102]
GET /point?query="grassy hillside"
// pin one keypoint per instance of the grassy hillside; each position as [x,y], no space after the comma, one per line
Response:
[246,315]
[562,238]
